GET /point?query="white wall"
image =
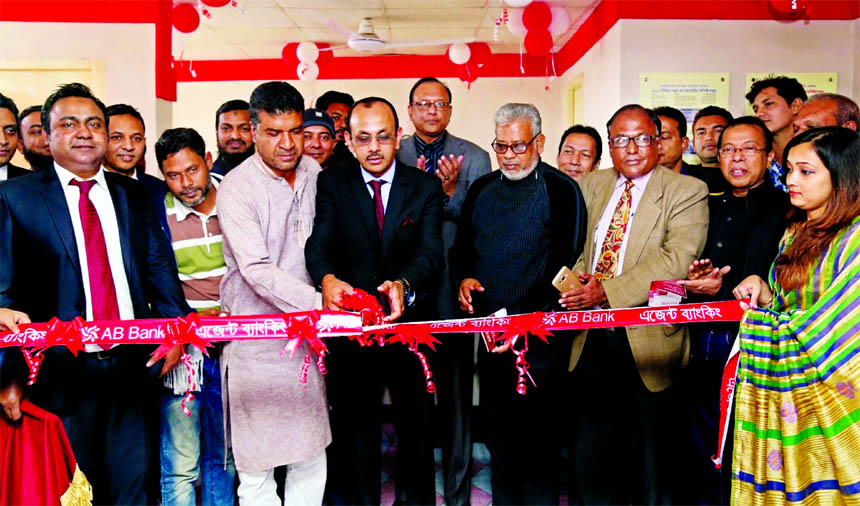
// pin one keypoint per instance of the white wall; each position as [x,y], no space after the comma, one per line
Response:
[600,69]
[472,116]
[610,70]
[126,50]
[737,47]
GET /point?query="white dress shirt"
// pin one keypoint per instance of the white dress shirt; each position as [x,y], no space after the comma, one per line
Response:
[102,201]
[388,177]
[4,172]
[602,228]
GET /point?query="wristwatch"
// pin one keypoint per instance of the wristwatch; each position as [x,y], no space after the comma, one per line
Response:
[408,292]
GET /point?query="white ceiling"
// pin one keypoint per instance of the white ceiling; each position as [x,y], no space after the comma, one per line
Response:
[261,28]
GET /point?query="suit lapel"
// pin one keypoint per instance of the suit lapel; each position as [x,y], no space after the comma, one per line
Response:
[605,186]
[647,215]
[123,220]
[58,209]
[399,188]
[363,201]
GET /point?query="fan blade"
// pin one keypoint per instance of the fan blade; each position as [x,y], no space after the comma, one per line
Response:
[335,48]
[332,24]
[419,43]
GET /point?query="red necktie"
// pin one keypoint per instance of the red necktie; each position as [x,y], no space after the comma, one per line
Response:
[377,203]
[102,290]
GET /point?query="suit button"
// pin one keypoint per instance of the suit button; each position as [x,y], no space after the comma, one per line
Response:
[729,218]
[719,245]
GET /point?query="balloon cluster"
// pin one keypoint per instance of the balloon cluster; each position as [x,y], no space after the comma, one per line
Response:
[469,57]
[538,22]
[186,18]
[309,56]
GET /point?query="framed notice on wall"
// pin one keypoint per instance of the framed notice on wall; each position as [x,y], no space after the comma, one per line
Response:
[688,92]
[815,83]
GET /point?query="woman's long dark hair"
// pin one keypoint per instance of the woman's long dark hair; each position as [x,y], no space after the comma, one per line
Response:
[839,150]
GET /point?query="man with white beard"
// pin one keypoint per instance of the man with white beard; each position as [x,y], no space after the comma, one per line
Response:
[517,228]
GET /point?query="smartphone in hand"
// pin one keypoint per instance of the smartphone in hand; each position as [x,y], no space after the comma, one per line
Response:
[566,280]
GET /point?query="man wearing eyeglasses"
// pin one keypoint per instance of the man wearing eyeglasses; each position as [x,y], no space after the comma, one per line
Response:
[378,228]
[648,223]
[518,227]
[746,223]
[457,163]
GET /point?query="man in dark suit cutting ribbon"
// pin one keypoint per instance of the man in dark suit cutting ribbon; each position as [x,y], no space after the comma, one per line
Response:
[377,228]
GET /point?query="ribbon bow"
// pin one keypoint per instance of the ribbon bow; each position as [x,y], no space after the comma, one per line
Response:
[371,314]
[67,334]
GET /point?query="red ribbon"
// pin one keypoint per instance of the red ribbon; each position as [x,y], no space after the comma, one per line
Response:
[371,314]
[192,385]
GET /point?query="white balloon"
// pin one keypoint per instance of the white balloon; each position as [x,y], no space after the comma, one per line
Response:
[459,53]
[518,3]
[307,52]
[560,21]
[308,71]
[515,22]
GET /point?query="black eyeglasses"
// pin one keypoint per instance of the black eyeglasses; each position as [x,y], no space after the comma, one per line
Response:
[621,141]
[748,151]
[517,147]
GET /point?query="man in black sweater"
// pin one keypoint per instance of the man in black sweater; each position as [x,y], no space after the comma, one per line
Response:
[518,227]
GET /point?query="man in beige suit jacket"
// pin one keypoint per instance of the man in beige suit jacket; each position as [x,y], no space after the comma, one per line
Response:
[627,421]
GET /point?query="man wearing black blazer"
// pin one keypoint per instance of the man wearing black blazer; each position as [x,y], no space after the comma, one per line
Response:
[9,139]
[377,228]
[90,247]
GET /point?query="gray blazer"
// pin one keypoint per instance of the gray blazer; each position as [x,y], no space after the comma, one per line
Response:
[476,163]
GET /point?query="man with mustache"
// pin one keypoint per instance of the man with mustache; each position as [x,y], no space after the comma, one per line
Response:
[32,144]
[319,136]
[336,104]
[266,208]
[193,446]
[233,131]
[646,223]
[378,228]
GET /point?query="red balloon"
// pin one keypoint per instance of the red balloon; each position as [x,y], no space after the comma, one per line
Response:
[288,54]
[215,3]
[788,6]
[480,53]
[537,16]
[538,43]
[185,18]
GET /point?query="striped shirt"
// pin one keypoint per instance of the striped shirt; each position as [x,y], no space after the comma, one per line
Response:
[197,245]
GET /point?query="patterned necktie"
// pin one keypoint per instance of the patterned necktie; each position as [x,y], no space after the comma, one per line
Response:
[102,290]
[607,263]
[377,204]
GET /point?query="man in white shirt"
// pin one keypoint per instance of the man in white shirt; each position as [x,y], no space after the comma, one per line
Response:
[81,242]
[649,224]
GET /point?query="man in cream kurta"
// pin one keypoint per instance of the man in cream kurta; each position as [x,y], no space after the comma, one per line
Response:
[266,206]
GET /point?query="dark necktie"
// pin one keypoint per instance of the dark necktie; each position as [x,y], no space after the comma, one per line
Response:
[102,290]
[377,204]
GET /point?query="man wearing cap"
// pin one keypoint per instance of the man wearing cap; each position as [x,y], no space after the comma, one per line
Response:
[319,136]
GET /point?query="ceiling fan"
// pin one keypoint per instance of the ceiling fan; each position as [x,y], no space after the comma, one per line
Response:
[366,39]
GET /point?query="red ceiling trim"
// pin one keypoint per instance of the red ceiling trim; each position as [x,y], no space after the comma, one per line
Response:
[165,74]
[80,11]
